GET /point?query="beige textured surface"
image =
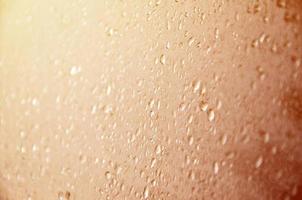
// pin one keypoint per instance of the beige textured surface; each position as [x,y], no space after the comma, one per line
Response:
[150,99]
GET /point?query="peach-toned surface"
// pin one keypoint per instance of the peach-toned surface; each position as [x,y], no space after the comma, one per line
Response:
[167,99]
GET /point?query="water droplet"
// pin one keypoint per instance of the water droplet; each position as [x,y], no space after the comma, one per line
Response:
[224,139]
[182,107]
[203,90]
[168,45]
[108,109]
[253,9]
[211,115]
[60,196]
[118,170]
[22,134]
[35,102]
[110,31]
[146,192]
[216,167]
[190,140]
[64,196]
[158,149]
[23,149]
[153,182]
[265,135]
[190,119]
[191,41]
[255,43]
[281,3]
[83,159]
[153,162]
[296,61]
[108,175]
[34,148]
[75,70]
[274,150]
[259,162]
[187,160]
[196,86]
[218,105]
[266,138]
[262,38]
[203,106]
[191,175]
[261,73]
[294,190]
[67,195]
[94,109]
[274,48]
[157,3]
[162,59]
[108,90]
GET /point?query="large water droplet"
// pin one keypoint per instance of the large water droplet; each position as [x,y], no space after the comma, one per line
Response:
[64,196]
[74,70]
[211,115]
[203,106]
[162,59]
[196,86]
[158,149]
[146,192]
